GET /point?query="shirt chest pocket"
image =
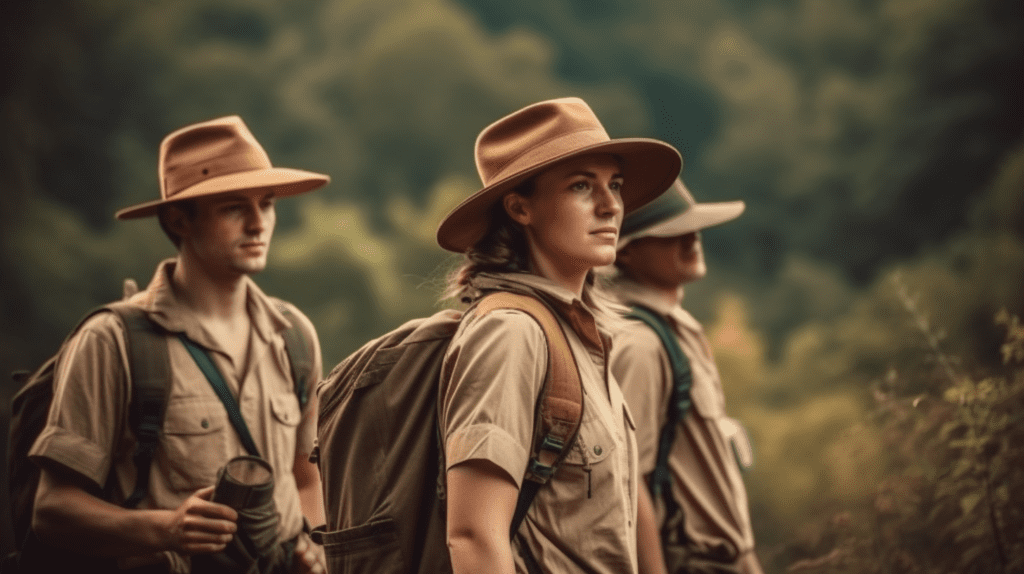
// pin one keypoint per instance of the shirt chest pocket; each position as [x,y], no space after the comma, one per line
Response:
[594,445]
[706,395]
[195,443]
[587,485]
[285,416]
[285,407]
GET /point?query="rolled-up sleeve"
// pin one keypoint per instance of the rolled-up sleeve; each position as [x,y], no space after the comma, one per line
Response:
[89,393]
[493,373]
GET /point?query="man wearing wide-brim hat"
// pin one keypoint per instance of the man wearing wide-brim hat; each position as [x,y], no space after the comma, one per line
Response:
[217,194]
[690,451]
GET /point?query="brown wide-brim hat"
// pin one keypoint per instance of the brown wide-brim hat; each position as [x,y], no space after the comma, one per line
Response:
[219,156]
[676,213]
[526,142]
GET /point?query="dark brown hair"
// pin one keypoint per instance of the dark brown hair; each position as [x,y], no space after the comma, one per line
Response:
[187,206]
[502,249]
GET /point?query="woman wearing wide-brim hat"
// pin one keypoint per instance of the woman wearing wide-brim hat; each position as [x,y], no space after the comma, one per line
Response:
[555,190]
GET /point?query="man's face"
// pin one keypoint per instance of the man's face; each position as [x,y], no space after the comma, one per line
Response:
[665,262]
[575,212]
[230,234]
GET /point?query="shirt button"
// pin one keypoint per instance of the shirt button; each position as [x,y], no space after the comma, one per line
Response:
[205,424]
[598,450]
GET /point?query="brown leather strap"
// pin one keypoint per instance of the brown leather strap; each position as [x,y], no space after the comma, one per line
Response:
[560,406]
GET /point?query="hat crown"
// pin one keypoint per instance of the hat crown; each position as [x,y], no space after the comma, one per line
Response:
[535,134]
[674,202]
[527,142]
[206,150]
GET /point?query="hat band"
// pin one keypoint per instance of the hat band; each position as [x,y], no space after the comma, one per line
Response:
[548,150]
[652,214]
[180,178]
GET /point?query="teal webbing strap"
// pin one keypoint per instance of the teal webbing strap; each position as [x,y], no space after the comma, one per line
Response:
[300,357]
[206,365]
[679,397]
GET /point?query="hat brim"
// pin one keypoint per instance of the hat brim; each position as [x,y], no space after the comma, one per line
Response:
[284,181]
[699,216]
[649,168]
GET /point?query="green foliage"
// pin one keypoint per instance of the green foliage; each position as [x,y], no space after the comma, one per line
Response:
[952,499]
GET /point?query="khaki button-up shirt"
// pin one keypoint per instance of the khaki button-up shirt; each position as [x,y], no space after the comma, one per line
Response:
[584,520]
[706,477]
[88,431]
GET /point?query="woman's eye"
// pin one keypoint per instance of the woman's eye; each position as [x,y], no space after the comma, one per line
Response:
[615,186]
[581,186]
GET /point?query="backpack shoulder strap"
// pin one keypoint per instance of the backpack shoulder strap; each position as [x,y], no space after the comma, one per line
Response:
[150,376]
[560,405]
[299,348]
[679,397]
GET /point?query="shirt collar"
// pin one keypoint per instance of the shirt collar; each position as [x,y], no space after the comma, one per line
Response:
[570,307]
[165,308]
[630,293]
[525,282]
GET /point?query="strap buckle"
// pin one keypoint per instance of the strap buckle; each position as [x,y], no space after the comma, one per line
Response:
[540,470]
[549,445]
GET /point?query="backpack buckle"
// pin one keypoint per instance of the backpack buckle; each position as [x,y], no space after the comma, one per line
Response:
[552,443]
[540,470]
[550,449]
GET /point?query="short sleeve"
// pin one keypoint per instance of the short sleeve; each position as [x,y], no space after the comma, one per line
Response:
[88,412]
[641,367]
[493,372]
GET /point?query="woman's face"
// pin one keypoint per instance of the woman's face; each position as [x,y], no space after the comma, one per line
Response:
[572,218]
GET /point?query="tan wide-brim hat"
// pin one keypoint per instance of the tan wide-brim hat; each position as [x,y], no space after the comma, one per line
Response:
[219,156]
[676,213]
[524,143]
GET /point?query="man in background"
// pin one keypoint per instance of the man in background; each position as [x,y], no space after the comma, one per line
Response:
[697,520]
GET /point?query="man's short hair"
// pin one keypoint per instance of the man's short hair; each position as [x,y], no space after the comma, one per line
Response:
[187,206]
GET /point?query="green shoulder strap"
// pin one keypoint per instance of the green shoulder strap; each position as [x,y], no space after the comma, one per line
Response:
[679,397]
[300,356]
[205,364]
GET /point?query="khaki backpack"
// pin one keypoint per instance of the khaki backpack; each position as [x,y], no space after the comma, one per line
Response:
[379,445]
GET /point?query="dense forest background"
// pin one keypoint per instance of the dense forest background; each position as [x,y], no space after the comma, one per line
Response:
[863,309]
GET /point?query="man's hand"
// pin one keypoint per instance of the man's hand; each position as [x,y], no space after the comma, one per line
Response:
[309,557]
[200,526]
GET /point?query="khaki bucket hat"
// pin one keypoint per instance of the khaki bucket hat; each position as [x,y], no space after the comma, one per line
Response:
[522,144]
[674,213]
[219,156]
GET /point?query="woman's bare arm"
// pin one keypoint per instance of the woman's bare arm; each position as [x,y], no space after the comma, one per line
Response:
[481,501]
